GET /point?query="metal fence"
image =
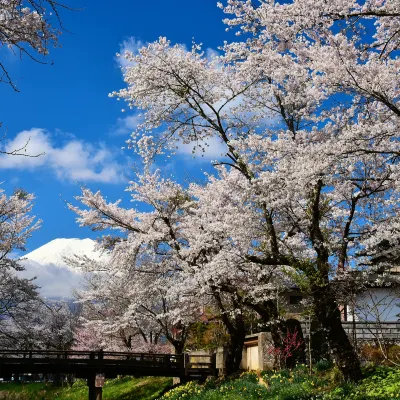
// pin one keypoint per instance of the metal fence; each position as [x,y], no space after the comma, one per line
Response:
[363,331]
[372,331]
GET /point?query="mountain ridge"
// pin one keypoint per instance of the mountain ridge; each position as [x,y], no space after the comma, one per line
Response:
[53,252]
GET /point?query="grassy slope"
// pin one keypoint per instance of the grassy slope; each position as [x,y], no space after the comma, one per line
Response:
[115,389]
[381,383]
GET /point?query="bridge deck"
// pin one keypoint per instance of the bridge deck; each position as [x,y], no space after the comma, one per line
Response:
[84,364]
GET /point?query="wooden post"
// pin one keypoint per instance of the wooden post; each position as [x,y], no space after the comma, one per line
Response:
[187,363]
[92,387]
[213,359]
[91,380]
[99,393]
[98,385]
[167,361]
[95,393]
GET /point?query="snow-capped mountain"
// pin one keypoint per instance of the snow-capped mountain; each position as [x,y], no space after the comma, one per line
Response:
[54,276]
[55,251]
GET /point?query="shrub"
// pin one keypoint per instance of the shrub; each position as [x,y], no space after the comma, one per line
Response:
[336,375]
[323,365]
[372,353]
[394,353]
[190,389]
[382,384]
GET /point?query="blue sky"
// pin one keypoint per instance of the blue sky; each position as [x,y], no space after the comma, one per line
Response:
[65,109]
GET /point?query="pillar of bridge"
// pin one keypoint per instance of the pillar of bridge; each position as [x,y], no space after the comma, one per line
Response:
[95,393]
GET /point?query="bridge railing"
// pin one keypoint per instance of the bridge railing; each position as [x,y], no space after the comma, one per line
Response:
[202,364]
[107,357]
[44,354]
[84,363]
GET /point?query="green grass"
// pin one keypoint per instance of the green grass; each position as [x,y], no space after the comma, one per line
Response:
[115,389]
[379,383]
[382,383]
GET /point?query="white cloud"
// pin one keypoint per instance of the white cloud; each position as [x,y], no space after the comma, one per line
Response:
[211,53]
[133,45]
[54,281]
[75,160]
[129,45]
[126,125]
[213,147]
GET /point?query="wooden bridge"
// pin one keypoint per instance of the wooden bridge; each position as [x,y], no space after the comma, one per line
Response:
[88,365]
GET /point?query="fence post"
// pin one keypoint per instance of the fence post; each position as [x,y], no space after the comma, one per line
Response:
[214,364]
[186,363]
[91,384]
[95,393]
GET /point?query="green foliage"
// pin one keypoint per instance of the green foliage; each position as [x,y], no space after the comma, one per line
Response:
[247,387]
[114,389]
[335,375]
[284,385]
[382,384]
[298,384]
[207,335]
[323,365]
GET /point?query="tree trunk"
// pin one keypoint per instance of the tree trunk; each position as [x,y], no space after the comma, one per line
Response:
[319,348]
[236,330]
[237,335]
[178,346]
[328,315]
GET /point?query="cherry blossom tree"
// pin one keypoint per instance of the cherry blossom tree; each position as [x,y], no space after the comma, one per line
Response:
[57,324]
[225,232]
[114,320]
[27,28]
[192,250]
[141,282]
[307,105]
[18,296]
[48,325]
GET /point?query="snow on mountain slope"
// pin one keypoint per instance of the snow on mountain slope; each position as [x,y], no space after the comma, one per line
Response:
[55,251]
[54,277]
